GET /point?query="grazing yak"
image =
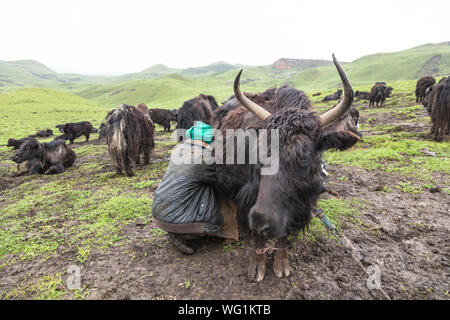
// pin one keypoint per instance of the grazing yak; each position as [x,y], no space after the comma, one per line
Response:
[77,129]
[422,85]
[47,158]
[274,206]
[334,96]
[129,134]
[201,108]
[377,94]
[437,102]
[162,117]
[42,134]
[317,94]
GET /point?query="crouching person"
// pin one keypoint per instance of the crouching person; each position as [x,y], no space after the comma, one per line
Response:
[186,204]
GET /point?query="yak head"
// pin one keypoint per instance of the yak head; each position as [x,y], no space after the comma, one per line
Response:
[30,149]
[283,201]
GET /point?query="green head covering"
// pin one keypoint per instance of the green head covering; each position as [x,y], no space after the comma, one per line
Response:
[200,131]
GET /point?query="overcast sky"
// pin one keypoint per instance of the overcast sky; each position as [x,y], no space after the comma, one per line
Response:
[116,37]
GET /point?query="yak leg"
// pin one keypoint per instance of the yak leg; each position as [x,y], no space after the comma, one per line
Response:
[128,169]
[146,155]
[280,259]
[56,168]
[258,268]
[87,136]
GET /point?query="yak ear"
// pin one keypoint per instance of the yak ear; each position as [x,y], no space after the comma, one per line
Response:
[341,140]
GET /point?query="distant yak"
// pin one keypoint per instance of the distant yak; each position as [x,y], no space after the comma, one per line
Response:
[163,117]
[77,129]
[334,96]
[377,94]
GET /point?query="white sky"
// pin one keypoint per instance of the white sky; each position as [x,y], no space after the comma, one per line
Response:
[115,37]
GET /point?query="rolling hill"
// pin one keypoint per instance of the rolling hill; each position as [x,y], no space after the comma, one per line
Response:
[162,86]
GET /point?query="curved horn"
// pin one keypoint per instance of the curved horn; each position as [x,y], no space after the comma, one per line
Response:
[346,102]
[256,109]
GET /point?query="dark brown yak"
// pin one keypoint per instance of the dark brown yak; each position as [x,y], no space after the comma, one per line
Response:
[74,130]
[274,206]
[129,134]
[16,143]
[422,85]
[377,94]
[437,102]
[162,117]
[48,158]
[42,134]
[200,108]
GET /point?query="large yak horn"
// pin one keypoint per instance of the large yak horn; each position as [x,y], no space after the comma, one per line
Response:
[256,109]
[346,102]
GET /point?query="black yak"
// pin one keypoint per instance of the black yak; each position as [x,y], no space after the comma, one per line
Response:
[317,94]
[162,117]
[276,205]
[42,134]
[16,143]
[422,85]
[362,95]
[129,134]
[101,130]
[437,102]
[77,129]
[201,108]
[334,96]
[377,94]
[47,158]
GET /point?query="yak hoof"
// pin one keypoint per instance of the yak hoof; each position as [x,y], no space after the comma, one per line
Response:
[258,268]
[281,264]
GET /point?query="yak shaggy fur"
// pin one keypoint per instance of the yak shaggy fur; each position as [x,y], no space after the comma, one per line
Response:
[48,158]
[422,86]
[129,133]
[200,108]
[440,109]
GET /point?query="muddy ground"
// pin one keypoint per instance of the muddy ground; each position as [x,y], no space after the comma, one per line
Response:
[406,235]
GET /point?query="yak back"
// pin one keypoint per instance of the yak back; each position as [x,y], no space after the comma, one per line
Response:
[200,108]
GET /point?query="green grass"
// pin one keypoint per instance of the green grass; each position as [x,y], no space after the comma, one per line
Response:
[395,152]
[24,112]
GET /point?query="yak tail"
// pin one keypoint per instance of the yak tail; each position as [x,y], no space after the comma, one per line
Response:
[117,143]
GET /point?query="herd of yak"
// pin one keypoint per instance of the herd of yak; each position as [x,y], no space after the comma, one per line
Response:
[129,130]
[270,206]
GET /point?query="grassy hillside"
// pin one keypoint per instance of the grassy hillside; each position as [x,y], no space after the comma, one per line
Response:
[403,65]
[25,72]
[26,111]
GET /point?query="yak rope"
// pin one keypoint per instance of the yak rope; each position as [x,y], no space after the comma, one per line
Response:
[347,248]
[262,251]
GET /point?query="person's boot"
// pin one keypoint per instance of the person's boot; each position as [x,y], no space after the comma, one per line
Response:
[180,243]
